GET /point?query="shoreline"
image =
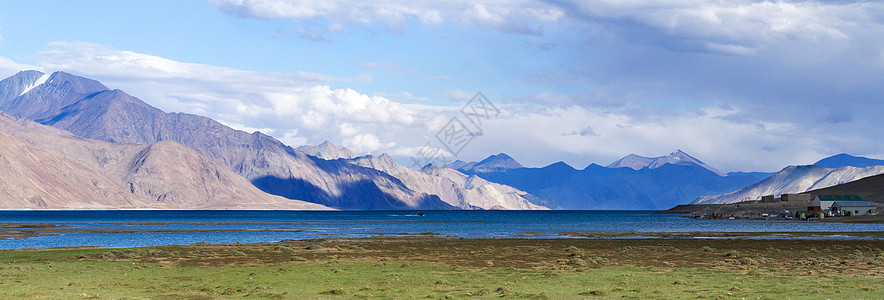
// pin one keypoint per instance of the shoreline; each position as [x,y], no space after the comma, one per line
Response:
[29,230]
[755,211]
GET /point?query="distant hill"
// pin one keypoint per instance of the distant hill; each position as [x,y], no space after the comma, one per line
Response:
[757,175]
[492,163]
[327,151]
[869,189]
[678,157]
[458,189]
[47,168]
[847,160]
[794,179]
[90,110]
[652,186]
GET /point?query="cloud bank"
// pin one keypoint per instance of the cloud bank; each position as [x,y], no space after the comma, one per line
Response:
[299,108]
[742,85]
[507,16]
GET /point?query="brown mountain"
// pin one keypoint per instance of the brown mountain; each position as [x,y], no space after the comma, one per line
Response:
[88,109]
[44,178]
[47,168]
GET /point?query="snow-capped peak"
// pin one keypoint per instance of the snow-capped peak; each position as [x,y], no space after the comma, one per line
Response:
[37,83]
[794,179]
[328,151]
[678,157]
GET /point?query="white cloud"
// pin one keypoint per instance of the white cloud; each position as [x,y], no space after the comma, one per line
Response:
[347,129]
[366,143]
[585,131]
[311,35]
[459,95]
[706,134]
[291,138]
[730,27]
[297,108]
[245,128]
[507,16]
[337,28]
[9,67]
[300,108]
[102,60]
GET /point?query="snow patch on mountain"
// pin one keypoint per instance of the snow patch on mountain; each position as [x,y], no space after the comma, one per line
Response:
[493,163]
[37,83]
[794,179]
[327,151]
[678,157]
[453,187]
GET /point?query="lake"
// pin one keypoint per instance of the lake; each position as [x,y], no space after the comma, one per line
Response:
[221,227]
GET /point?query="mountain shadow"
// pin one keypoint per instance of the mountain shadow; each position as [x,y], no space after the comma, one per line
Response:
[90,110]
[598,187]
[358,195]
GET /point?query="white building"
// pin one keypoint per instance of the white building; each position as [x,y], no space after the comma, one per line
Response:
[825,201]
[853,208]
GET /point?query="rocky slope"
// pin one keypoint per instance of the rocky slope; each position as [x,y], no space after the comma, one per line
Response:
[678,157]
[869,189]
[493,163]
[47,168]
[43,178]
[89,110]
[794,179]
[327,151]
[453,187]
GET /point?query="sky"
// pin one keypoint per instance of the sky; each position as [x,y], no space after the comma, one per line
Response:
[741,85]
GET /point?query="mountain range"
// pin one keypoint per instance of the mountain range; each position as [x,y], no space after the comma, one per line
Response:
[847,160]
[633,182]
[824,175]
[327,151]
[798,179]
[125,153]
[48,168]
[637,182]
[678,157]
[499,162]
[88,109]
[870,188]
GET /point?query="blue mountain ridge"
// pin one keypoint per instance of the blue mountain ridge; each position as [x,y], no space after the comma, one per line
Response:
[847,160]
[598,187]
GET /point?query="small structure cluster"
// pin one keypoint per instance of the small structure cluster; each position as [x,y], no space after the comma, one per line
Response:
[842,205]
[819,206]
[786,198]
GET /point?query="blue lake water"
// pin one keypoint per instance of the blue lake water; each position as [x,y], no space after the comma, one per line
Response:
[272,226]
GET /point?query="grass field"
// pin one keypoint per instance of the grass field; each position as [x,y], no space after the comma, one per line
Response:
[456,269]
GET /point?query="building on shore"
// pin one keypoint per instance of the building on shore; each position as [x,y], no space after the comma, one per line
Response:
[796,197]
[825,201]
[854,208]
[844,205]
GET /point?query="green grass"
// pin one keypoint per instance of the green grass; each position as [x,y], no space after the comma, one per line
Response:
[444,269]
[116,279]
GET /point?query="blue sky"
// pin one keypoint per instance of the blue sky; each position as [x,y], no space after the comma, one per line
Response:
[742,85]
